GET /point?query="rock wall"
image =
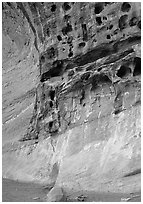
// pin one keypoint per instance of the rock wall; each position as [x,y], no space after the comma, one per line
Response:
[85,130]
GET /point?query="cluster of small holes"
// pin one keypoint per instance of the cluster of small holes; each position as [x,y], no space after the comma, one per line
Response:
[102,20]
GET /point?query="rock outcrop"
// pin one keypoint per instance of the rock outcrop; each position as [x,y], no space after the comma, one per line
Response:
[85,131]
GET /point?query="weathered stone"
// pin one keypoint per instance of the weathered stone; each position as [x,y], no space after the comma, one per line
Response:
[55,195]
[86,117]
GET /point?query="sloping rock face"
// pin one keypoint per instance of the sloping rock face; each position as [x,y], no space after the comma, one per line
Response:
[85,130]
[20,73]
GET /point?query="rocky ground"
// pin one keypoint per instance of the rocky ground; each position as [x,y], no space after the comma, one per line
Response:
[14,191]
[71,99]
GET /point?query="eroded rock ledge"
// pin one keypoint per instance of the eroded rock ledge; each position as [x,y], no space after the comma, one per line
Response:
[86,118]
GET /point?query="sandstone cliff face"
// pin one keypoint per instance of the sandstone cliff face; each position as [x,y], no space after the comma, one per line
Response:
[85,131]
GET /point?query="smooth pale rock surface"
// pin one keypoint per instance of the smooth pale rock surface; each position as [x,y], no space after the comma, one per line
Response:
[72,95]
[55,195]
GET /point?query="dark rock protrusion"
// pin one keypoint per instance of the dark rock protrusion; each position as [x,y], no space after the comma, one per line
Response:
[125,7]
[137,69]
[135,172]
[93,55]
[123,22]
[123,71]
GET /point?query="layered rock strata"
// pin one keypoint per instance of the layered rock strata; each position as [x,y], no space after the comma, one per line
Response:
[85,130]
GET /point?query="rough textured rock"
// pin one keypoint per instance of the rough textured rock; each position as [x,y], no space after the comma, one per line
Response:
[85,130]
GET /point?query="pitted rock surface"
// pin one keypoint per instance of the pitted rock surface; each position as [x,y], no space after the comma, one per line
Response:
[84,132]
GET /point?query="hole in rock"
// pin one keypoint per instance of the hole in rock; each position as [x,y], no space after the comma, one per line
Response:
[70,54]
[52,94]
[66,6]
[42,59]
[104,79]
[108,36]
[81,45]
[53,8]
[99,69]
[116,32]
[55,71]
[123,22]
[137,69]
[59,37]
[105,18]
[51,104]
[50,124]
[67,29]
[66,18]
[125,7]
[51,52]
[98,20]
[98,8]
[48,32]
[110,27]
[123,71]
[133,21]
[84,30]
[69,40]
[81,19]
[85,76]
[117,111]
[71,73]
[8,3]
[82,96]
